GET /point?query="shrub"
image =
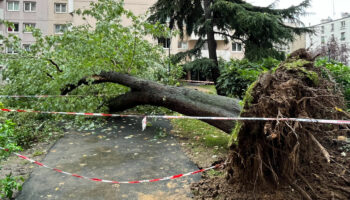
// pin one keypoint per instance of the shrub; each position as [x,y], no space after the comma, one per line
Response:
[237,75]
[340,73]
[7,141]
[9,184]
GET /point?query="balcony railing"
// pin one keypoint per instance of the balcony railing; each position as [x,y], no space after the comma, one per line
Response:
[225,54]
[195,37]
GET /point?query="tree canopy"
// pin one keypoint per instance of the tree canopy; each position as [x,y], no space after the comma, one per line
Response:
[107,58]
[259,28]
[84,51]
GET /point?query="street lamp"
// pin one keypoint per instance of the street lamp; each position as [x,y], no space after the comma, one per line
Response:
[168,22]
[169,55]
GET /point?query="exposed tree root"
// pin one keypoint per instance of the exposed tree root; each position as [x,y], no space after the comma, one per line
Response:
[308,184]
[269,157]
[301,191]
[323,150]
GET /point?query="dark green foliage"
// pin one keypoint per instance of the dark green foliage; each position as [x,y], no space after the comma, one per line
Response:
[237,75]
[202,66]
[340,73]
[259,28]
[7,138]
[9,184]
[8,142]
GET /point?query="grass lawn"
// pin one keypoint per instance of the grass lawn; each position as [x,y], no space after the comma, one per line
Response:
[210,89]
[203,143]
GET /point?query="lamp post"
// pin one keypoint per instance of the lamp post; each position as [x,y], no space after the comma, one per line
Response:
[168,23]
[169,56]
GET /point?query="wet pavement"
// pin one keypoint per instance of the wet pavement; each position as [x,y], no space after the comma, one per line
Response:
[117,151]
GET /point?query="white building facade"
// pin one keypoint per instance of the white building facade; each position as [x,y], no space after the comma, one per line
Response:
[338,29]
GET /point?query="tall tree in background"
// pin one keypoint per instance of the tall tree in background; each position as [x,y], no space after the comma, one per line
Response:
[258,28]
[333,50]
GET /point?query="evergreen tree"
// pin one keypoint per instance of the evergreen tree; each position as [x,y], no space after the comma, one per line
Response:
[258,28]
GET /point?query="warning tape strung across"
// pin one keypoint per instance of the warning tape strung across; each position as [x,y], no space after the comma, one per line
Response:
[51,96]
[110,181]
[69,113]
[322,121]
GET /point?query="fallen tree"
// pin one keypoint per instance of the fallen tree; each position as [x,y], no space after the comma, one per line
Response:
[265,156]
[179,99]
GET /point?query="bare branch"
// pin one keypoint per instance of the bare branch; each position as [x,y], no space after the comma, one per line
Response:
[55,64]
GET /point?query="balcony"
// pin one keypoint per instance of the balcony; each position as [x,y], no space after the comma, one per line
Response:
[224,54]
[195,37]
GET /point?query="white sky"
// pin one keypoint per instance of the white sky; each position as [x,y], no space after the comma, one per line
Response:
[319,9]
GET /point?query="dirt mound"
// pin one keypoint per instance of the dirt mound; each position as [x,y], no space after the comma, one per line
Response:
[287,160]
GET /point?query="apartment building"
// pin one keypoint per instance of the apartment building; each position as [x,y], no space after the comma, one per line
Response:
[50,16]
[327,29]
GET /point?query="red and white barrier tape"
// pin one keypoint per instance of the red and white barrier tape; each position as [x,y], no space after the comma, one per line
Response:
[144,121]
[51,96]
[111,181]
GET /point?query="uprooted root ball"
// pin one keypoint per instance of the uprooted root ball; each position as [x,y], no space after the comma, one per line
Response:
[285,159]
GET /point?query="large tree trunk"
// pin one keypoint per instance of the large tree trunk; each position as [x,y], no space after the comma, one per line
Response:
[212,44]
[182,100]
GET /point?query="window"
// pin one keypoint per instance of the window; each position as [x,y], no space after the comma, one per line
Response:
[165,42]
[342,36]
[342,24]
[60,7]
[323,40]
[236,46]
[29,6]
[60,28]
[182,45]
[322,29]
[28,27]
[14,29]
[332,27]
[11,50]
[13,6]
[26,47]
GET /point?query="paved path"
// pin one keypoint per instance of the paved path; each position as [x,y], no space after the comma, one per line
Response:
[118,151]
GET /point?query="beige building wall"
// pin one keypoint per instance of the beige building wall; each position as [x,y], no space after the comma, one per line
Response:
[298,43]
[39,17]
[83,5]
[55,18]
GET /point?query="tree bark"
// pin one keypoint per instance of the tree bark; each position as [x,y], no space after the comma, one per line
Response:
[182,100]
[212,45]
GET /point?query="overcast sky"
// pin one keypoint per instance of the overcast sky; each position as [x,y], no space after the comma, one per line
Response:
[320,9]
